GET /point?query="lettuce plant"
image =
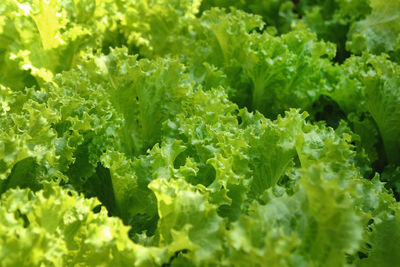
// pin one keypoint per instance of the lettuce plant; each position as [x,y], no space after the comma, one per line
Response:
[199,133]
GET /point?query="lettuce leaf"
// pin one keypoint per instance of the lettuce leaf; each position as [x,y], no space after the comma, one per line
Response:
[173,133]
[58,227]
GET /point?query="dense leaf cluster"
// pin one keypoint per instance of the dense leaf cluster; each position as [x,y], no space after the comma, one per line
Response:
[199,133]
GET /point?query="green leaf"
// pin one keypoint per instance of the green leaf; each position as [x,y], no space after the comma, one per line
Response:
[58,227]
[379,31]
[188,221]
